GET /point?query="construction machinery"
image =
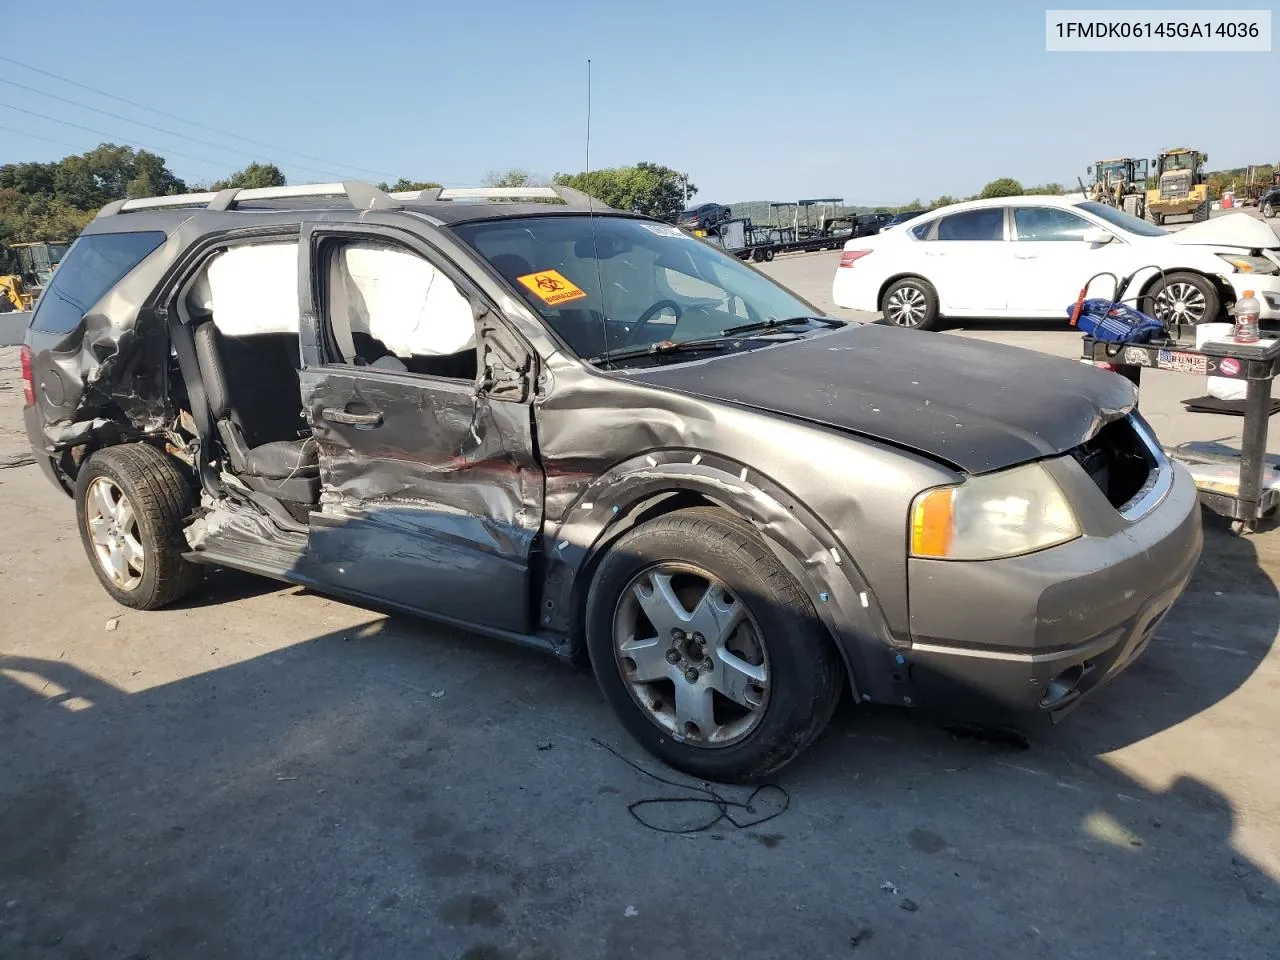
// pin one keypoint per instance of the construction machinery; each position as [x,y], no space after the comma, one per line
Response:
[13,293]
[1180,187]
[1121,183]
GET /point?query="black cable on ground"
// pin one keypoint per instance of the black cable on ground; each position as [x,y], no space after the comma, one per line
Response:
[722,806]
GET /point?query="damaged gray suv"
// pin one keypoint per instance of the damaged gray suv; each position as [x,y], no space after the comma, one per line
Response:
[522,412]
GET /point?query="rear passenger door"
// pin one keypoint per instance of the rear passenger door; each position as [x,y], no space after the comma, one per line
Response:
[965,258]
[419,398]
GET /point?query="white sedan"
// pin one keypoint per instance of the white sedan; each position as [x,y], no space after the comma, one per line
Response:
[1029,257]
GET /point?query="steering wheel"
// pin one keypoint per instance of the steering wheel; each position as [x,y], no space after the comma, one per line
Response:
[649,314]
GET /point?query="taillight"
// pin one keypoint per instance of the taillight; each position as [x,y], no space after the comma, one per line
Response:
[28,384]
[848,257]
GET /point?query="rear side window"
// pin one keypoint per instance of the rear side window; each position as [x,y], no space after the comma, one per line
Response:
[986,224]
[92,267]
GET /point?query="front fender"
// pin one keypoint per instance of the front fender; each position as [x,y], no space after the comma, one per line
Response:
[828,573]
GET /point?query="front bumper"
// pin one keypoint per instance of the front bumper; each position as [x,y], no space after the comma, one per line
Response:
[1265,287]
[1006,640]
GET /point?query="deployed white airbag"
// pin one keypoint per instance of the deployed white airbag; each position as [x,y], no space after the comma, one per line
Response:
[251,290]
[400,299]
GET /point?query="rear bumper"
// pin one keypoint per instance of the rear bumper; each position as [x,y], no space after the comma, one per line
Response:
[1052,626]
[35,436]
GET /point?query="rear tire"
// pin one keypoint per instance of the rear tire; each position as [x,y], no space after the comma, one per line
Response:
[799,673]
[1268,210]
[911,303]
[131,503]
[1201,212]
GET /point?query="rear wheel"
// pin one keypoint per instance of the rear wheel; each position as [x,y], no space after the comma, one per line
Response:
[707,649]
[1268,210]
[131,501]
[1184,299]
[911,302]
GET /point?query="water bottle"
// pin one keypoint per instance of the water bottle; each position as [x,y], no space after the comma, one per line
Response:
[1247,310]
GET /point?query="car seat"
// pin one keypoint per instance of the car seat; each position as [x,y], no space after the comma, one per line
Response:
[256,402]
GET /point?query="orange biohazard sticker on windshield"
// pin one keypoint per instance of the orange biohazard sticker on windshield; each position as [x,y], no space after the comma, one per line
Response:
[551,287]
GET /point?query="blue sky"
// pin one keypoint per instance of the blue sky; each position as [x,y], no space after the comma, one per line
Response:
[883,101]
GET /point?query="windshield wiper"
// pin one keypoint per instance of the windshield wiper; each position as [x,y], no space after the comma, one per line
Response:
[773,323]
[659,349]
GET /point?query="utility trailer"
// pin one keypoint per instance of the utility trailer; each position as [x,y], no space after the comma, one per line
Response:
[762,242]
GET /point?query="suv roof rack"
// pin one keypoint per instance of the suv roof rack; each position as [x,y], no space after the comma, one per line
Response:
[361,195]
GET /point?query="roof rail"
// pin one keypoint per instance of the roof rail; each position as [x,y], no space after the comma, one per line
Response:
[361,195]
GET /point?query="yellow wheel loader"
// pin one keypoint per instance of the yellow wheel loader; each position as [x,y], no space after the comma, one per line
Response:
[1180,187]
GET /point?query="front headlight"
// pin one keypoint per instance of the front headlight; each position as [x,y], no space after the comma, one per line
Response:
[998,515]
[1246,264]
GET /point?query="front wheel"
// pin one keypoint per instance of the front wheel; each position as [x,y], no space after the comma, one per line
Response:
[1201,213]
[911,303]
[131,502]
[1182,299]
[707,649]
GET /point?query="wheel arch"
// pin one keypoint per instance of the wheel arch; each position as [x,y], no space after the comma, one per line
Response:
[662,482]
[1226,293]
[905,275]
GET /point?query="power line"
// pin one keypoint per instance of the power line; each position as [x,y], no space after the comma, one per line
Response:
[193,123]
[61,143]
[151,126]
[103,133]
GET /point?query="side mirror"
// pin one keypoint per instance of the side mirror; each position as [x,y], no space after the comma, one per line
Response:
[1096,236]
[1088,169]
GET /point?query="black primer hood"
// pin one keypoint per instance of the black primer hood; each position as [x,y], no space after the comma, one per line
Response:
[978,405]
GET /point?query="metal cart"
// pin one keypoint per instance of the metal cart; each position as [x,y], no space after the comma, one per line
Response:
[1255,363]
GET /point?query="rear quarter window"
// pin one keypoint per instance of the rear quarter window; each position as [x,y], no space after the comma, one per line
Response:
[94,265]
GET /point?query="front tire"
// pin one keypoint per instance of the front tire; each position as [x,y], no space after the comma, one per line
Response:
[131,502]
[911,303]
[1182,298]
[707,649]
[1201,213]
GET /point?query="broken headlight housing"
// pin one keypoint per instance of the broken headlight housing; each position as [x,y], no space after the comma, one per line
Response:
[1248,264]
[989,517]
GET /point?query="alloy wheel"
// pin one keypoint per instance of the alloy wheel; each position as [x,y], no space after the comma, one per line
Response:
[692,655]
[906,307]
[1181,303]
[113,529]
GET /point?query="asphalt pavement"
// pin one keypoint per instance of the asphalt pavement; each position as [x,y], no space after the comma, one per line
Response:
[264,772]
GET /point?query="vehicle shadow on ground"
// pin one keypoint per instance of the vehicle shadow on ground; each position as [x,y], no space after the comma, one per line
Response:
[397,790]
[1005,324]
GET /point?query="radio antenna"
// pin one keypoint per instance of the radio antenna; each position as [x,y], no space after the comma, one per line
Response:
[591,216]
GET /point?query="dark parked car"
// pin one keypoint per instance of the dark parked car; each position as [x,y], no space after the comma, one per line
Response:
[1269,202]
[898,218]
[598,436]
[704,217]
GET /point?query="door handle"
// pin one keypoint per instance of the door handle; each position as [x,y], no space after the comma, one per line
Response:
[338,415]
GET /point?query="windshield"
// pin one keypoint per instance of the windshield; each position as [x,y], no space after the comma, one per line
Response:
[627,282]
[1179,161]
[1124,221]
[1114,171]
